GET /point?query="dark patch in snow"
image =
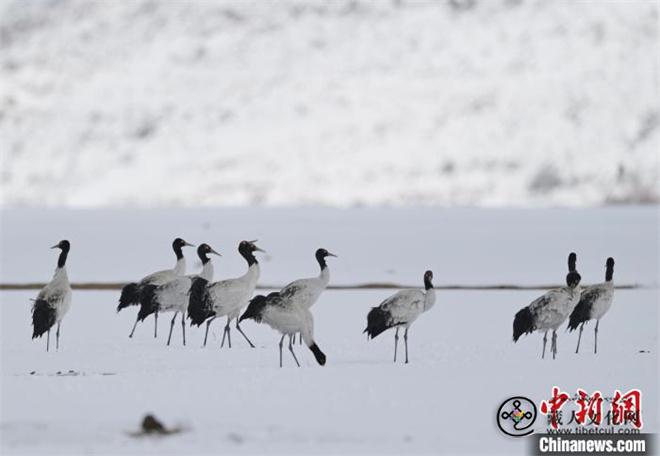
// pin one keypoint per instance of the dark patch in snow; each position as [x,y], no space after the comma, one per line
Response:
[649,123]
[447,167]
[460,6]
[235,438]
[144,130]
[69,373]
[545,180]
[151,426]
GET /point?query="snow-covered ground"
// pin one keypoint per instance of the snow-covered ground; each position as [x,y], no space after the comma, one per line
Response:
[340,103]
[463,363]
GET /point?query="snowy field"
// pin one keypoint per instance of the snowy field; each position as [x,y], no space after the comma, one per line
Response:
[463,363]
[341,103]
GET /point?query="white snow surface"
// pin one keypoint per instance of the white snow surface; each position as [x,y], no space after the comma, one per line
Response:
[344,103]
[463,365]
[238,401]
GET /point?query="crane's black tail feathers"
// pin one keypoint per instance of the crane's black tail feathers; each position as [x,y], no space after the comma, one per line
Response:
[579,315]
[43,317]
[148,301]
[523,323]
[318,354]
[255,308]
[378,320]
[130,296]
[200,307]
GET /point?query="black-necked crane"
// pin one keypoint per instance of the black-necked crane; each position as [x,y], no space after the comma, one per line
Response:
[131,293]
[594,303]
[54,300]
[173,296]
[401,310]
[548,312]
[307,291]
[209,301]
[286,317]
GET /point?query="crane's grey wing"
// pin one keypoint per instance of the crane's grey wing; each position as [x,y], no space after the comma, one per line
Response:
[541,302]
[52,296]
[275,299]
[226,294]
[285,317]
[294,288]
[551,308]
[403,306]
[590,295]
[173,294]
[158,278]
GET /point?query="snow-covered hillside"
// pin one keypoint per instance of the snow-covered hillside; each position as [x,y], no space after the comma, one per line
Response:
[494,103]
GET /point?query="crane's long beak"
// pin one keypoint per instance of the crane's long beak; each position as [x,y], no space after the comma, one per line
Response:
[216,253]
[56,246]
[186,243]
[332,255]
[258,249]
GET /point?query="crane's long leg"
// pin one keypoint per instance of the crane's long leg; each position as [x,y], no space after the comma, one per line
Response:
[155,324]
[226,333]
[405,340]
[396,342]
[206,334]
[243,334]
[554,344]
[300,341]
[183,327]
[134,326]
[579,337]
[169,337]
[281,343]
[545,339]
[48,340]
[291,350]
[596,337]
[57,336]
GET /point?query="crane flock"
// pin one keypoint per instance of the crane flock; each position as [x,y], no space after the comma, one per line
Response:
[288,311]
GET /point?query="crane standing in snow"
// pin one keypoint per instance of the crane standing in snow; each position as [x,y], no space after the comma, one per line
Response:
[226,297]
[307,291]
[131,293]
[594,303]
[287,311]
[54,300]
[550,310]
[172,296]
[401,309]
[287,317]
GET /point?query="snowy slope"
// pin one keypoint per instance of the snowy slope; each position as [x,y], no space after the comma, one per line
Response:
[333,103]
